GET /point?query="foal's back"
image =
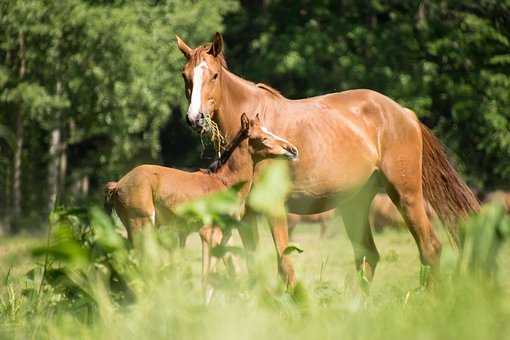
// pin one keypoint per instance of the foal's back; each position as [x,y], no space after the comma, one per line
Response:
[148,187]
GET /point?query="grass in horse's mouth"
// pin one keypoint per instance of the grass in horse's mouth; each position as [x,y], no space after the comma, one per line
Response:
[210,128]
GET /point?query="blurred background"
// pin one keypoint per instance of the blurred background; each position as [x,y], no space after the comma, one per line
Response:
[88,89]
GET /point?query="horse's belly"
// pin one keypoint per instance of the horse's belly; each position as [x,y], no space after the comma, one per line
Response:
[326,185]
[302,204]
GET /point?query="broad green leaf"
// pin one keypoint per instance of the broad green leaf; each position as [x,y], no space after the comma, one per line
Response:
[270,189]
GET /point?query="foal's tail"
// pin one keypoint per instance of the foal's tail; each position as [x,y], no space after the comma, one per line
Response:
[443,188]
[110,190]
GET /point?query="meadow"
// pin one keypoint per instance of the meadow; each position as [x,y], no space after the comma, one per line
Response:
[94,287]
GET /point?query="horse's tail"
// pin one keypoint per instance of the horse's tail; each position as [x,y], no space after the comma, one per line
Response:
[110,190]
[443,188]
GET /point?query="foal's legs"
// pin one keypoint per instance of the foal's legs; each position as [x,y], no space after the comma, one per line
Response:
[211,237]
[248,230]
[134,220]
[357,226]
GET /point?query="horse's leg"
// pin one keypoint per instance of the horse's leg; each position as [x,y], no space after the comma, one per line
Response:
[183,236]
[134,218]
[357,226]
[280,234]
[230,260]
[402,168]
[134,224]
[412,208]
[291,224]
[211,236]
[248,231]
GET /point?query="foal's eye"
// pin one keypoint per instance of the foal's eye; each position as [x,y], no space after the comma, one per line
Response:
[215,76]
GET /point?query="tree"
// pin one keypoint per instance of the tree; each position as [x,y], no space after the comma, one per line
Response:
[80,73]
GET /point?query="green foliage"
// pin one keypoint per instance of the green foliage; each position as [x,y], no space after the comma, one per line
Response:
[93,284]
[482,240]
[270,190]
[216,208]
[149,291]
[105,74]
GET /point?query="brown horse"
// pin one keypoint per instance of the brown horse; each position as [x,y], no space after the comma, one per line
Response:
[322,219]
[499,197]
[150,194]
[351,144]
[383,213]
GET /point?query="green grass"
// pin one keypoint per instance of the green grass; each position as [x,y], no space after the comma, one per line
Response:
[163,298]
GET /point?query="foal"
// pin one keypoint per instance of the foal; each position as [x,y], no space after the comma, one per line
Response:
[150,194]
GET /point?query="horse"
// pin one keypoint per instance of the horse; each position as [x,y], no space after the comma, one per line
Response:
[322,219]
[499,197]
[352,144]
[149,195]
[383,213]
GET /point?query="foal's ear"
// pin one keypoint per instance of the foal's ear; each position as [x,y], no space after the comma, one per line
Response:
[185,49]
[245,122]
[217,45]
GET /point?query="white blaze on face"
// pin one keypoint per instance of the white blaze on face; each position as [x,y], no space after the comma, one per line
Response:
[196,93]
[265,130]
[275,137]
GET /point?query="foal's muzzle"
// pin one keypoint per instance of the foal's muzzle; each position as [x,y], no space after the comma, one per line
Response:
[291,153]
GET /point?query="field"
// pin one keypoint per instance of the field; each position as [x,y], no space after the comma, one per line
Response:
[164,299]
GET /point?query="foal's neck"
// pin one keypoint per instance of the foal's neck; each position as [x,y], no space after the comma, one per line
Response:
[238,96]
[238,168]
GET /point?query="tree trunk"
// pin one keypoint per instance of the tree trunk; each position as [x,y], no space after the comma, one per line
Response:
[53,167]
[62,166]
[16,174]
[19,134]
[57,164]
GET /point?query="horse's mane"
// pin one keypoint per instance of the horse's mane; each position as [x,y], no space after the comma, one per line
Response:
[269,89]
[205,49]
[221,57]
[195,58]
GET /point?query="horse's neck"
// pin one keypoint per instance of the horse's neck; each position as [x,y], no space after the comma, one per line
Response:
[238,96]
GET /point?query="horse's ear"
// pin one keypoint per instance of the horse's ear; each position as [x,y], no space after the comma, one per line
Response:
[217,45]
[185,49]
[245,122]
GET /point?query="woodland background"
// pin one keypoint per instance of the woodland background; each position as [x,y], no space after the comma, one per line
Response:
[88,89]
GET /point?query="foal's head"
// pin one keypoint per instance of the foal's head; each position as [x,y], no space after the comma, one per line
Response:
[262,143]
[265,144]
[202,78]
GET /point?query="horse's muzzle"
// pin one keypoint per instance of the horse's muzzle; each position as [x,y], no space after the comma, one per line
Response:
[197,122]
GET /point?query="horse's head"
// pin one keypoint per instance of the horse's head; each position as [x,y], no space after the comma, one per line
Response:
[202,79]
[265,144]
